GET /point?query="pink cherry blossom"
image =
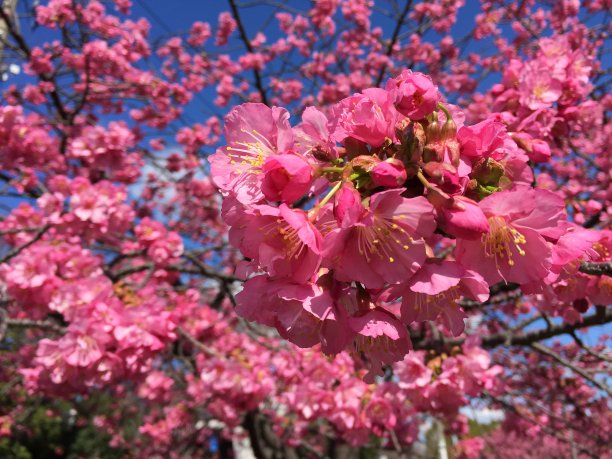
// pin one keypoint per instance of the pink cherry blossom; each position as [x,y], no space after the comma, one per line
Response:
[414,94]
[389,174]
[287,178]
[369,117]
[435,290]
[254,132]
[282,240]
[515,248]
[385,244]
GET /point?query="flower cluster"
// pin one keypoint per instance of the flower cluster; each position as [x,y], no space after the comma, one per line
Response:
[342,215]
[113,335]
[384,219]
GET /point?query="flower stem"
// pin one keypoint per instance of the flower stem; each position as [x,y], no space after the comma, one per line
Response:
[332,169]
[423,180]
[445,110]
[330,195]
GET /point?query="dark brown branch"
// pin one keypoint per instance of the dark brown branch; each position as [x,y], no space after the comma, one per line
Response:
[209,272]
[201,268]
[20,230]
[127,271]
[394,37]
[596,269]
[566,363]
[3,323]
[254,430]
[29,323]
[197,344]
[601,317]
[12,29]
[17,250]
[249,47]
[590,351]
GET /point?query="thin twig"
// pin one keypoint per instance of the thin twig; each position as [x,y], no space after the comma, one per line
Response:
[29,323]
[566,363]
[581,344]
[17,250]
[601,317]
[396,31]
[201,346]
[249,47]
[596,269]
[209,272]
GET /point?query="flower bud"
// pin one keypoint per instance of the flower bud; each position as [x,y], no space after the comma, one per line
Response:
[433,131]
[390,173]
[287,178]
[537,150]
[412,139]
[348,208]
[414,94]
[365,162]
[540,151]
[487,171]
[448,130]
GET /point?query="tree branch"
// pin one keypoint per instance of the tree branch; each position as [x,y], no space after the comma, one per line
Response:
[201,346]
[209,272]
[29,323]
[17,250]
[590,351]
[601,317]
[566,363]
[57,102]
[249,47]
[394,37]
[596,269]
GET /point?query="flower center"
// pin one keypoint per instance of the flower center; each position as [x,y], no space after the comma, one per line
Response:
[500,241]
[252,155]
[602,251]
[539,90]
[424,301]
[367,344]
[383,238]
[292,243]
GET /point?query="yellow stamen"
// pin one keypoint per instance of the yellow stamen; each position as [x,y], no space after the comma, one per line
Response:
[502,240]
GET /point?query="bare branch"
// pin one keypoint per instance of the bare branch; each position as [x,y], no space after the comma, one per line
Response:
[566,363]
[201,346]
[20,230]
[3,323]
[209,272]
[29,323]
[394,37]
[249,47]
[590,351]
[601,317]
[17,250]
[596,269]
[14,32]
